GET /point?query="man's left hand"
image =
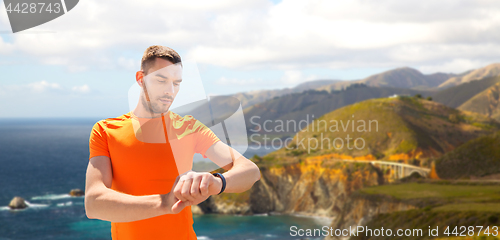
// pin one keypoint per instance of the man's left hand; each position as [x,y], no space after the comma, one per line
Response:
[195,187]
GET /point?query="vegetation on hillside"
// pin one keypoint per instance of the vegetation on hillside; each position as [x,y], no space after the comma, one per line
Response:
[456,96]
[439,204]
[399,128]
[486,102]
[477,158]
[308,105]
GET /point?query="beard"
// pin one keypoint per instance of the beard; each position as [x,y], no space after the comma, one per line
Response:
[154,107]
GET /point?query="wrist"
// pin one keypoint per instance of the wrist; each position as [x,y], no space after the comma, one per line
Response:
[214,188]
[164,206]
[220,183]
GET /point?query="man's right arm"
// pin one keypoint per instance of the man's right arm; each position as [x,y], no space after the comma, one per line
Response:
[102,202]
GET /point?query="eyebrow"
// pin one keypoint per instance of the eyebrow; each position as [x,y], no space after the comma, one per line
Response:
[165,77]
[161,76]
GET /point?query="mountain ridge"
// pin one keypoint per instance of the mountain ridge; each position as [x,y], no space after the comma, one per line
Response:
[480,73]
[403,77]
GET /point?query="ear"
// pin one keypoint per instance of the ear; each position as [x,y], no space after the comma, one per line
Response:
[139,77]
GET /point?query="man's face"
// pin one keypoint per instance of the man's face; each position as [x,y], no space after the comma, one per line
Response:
[161,85]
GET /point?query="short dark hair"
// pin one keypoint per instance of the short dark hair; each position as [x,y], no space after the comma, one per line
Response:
[156,51]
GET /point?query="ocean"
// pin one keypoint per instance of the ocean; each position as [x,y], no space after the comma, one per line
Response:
[41,160]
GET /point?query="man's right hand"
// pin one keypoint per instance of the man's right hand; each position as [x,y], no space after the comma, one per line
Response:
[190,189]
[169,200]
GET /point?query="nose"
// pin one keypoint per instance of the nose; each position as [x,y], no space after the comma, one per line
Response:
[169,89]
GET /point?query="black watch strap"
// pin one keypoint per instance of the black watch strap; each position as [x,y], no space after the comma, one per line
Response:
[223,181]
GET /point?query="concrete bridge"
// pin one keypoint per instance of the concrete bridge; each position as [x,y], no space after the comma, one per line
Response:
[398,170]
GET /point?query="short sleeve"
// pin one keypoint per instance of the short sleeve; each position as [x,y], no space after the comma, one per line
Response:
[98,142]
[204,138]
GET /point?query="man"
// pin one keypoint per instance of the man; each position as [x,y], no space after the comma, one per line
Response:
[135,161]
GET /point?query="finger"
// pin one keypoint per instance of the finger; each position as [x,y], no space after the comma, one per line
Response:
[178,206]
[178,191]
[204,185]
[195,187]
[186,190]
[177,180]
[175,183]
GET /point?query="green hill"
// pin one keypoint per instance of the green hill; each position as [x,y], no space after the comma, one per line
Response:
[399,128]
[485,102]
[458,95]
[310,104]
[476,158]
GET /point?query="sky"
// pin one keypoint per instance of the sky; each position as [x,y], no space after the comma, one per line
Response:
[83,63]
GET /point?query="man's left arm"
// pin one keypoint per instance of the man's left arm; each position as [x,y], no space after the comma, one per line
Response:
[241,172]
[193,188]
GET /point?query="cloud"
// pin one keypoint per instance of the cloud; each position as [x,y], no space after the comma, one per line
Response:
[49,99]
[290,78]
[5,47]
[454,66]
[96,34]
[350,34]
[241,82]
[81,89]
[294,77]
[290,35]
[41,88]
[128,63]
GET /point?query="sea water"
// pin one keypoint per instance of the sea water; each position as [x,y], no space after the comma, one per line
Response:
[41,160]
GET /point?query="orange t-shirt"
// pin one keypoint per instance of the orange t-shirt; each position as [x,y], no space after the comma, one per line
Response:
[144,165]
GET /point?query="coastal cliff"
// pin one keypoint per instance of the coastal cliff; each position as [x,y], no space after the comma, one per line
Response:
[306,180]
[360,209]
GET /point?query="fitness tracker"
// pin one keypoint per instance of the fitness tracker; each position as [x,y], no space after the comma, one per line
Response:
[223,181]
